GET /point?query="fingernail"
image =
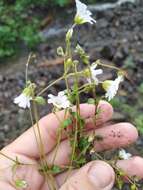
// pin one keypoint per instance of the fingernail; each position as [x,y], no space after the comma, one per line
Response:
[101,175]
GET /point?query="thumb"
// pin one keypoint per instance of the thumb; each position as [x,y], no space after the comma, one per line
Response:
[96,175]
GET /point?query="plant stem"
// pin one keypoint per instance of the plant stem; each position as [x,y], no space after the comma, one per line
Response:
[27,64]
[41,148]
[59,137]
[77,122]
[4,155]
[46,88]
[56,81]
[110,66]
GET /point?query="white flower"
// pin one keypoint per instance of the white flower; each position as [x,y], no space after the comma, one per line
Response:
[23,101]
[94,73]
[60,101]
[124,155]
[83,15]
[112,87]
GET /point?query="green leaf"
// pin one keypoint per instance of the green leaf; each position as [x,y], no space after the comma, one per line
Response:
[91,101]
[62,2]
[56,169]
[81,161]
[66,123]
[40,100]
[129,63]
[20,183]
[140,88]
[84,57]
[83,143]
[120,183]
[133,187]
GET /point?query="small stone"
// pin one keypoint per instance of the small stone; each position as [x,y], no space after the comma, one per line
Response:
[1,78]
[6,128]
[2,136]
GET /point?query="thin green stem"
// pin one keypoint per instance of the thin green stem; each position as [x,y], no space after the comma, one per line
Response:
[27,65]
[56,81]
[77,122]
[114,166]
[78,113]
[46,88]
[41,148]
[32,122]
[109,66]
[15,161]
[94,96]
[59,136]
[4,155]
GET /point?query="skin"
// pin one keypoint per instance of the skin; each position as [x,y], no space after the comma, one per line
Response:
[95,175]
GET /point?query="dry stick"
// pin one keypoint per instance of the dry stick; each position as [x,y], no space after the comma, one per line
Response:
[51,63]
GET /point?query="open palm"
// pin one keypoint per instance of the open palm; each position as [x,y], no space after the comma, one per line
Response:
[96,175]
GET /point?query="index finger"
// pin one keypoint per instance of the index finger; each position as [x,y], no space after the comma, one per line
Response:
[26,143]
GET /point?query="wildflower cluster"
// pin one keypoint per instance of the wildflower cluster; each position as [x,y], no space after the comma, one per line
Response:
[91,73]
[60,101]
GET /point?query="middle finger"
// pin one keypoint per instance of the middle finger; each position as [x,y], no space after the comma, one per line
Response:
[114,136]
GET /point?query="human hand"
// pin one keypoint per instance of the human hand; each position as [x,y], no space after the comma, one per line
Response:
[96,175]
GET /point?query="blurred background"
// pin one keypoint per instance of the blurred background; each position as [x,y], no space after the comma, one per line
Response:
[39,27]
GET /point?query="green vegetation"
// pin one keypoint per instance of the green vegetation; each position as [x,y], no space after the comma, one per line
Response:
[129,63]
[20,23]
[17,25]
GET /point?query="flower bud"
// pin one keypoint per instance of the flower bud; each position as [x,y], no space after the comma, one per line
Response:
[79,50]
[106,84]
[92,151]
[60,51]
[91,138]
[69,34]
[69,62]
[40,100]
